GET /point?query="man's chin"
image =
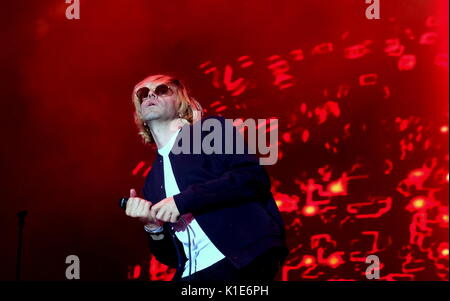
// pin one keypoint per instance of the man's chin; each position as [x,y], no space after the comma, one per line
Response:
[151,116]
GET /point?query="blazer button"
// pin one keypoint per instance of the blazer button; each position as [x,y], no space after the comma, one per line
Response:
[161,187]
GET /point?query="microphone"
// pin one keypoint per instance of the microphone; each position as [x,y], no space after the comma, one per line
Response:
[123,203]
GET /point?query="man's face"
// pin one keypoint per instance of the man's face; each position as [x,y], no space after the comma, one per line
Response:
[160,103]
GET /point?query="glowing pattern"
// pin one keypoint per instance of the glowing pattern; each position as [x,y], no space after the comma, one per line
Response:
[391,200]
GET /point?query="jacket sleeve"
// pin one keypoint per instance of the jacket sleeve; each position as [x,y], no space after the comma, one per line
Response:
[164,249]
[244,179]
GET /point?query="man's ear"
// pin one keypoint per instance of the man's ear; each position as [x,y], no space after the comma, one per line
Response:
[196,112]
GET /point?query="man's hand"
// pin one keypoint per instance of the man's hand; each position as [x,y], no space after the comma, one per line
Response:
[140,209]
[166,211]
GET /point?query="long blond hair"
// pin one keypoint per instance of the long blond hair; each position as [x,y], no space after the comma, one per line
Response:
[189,109]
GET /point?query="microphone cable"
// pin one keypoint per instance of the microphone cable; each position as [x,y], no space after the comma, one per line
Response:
[189,245]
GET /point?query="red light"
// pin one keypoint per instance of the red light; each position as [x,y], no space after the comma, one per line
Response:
[310,210]
[334,261]
[285,202]
[368,79]
[135,272]
[407,62]
[308,260]
[417,173]
[444,129]
[287,137]
[138,167]
[418,203]
[305,135]
[337,187]
[443,250]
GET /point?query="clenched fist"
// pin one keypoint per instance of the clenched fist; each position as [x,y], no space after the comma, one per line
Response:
[165,210]
[140,209]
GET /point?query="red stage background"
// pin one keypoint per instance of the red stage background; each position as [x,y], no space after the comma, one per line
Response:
[363,126]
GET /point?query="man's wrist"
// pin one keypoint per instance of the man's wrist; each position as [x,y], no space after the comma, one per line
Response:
[153,228]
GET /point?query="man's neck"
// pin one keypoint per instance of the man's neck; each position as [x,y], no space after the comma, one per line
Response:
[162,130]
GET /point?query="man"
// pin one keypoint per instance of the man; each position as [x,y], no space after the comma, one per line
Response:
[212,217]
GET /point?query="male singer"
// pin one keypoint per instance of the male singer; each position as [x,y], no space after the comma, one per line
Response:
[210,216]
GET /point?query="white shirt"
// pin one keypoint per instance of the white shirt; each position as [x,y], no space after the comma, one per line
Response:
[204,253]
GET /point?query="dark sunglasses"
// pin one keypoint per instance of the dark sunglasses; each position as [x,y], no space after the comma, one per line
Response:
[160,90]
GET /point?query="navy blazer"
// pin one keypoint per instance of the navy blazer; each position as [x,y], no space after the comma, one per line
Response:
[229,196]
